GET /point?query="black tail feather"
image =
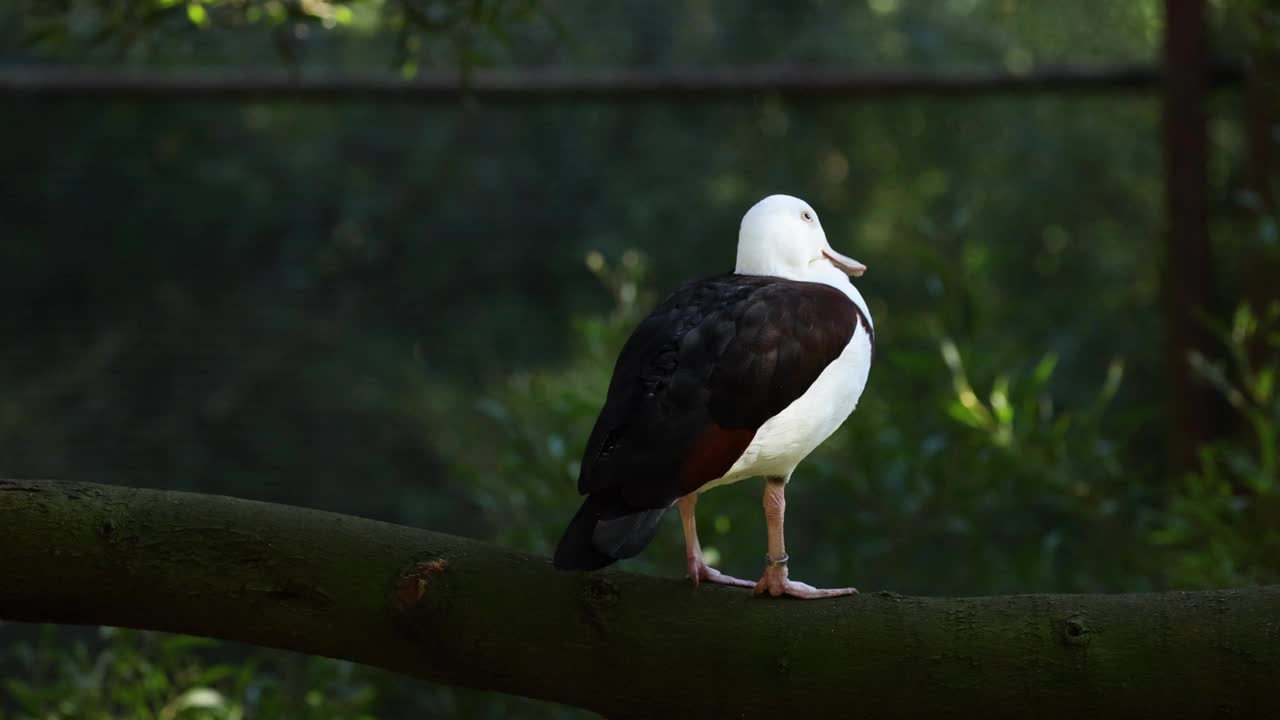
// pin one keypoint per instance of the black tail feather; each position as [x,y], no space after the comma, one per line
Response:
[605,530]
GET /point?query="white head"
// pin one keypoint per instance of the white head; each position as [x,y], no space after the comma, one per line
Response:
[781,236]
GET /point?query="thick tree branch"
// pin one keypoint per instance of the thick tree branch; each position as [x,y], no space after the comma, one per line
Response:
[685,84]
[458,611]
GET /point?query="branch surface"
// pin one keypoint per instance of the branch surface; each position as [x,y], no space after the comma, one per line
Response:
[452,610]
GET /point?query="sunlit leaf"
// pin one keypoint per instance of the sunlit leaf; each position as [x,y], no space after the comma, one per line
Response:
[1264,385]
[964,414]
[1044,369]
[197,14]
[1000,401]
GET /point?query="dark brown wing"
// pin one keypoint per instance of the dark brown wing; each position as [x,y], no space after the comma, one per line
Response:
[701,374]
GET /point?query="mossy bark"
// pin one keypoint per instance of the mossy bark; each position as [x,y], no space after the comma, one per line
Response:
[457,611]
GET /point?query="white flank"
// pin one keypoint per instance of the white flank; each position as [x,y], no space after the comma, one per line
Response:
[788,437]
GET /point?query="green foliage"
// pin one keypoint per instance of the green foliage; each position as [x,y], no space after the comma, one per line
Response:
[538,420]
[133,675]
[1223,523]
[67,674]
[463,32]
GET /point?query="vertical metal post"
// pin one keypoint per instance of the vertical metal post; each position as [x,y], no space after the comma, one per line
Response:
[1187,263]
[1262,107]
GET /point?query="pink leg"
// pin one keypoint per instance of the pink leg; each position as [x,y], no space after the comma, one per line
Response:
[698,568]
[775,580]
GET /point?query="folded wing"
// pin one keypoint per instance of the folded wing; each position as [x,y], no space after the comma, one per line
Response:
[693,383]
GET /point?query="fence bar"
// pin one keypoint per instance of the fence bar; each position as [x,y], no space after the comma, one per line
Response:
[1188,268]
[683,84]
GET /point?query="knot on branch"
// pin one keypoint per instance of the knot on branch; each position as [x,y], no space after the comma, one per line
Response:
[1075,630]
[415,583]
[107,530]
[599,593]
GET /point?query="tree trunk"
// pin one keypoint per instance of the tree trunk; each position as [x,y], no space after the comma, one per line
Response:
[463,612]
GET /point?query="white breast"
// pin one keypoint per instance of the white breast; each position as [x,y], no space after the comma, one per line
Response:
[788,437]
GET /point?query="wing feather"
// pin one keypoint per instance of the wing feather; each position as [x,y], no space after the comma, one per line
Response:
[701,374]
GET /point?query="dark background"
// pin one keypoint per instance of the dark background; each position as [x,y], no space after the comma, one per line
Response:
[409,310]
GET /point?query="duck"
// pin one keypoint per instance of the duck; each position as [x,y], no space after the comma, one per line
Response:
[735,376]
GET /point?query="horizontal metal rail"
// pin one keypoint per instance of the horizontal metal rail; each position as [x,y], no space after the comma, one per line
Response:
[544,84]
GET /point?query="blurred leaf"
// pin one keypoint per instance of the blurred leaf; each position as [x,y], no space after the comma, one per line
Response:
[197,14]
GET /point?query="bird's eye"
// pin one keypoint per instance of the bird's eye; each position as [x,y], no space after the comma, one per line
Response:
[806,216]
